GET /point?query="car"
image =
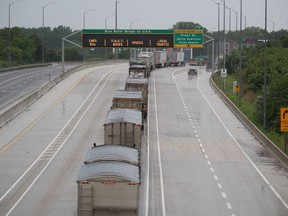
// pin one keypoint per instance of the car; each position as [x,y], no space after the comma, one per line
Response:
[192,71]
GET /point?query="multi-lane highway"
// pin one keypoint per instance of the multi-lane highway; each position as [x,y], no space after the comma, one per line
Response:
[198,159]
[17,83]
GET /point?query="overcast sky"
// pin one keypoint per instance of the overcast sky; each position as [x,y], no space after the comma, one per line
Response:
[150,14]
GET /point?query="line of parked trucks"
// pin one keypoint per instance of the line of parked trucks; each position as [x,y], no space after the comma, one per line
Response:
[110,177]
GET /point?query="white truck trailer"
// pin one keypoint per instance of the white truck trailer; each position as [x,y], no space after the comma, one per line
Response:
[176,58]
[160,59]
[123,127]
[139,84]
[109,182]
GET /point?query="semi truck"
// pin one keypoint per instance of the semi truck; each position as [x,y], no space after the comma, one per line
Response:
[149,58]
[138,69]
[109,181]
[160,59]
[176,58]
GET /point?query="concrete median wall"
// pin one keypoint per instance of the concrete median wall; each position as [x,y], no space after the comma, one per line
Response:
[279,157]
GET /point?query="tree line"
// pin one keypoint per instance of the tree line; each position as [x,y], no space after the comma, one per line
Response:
[26,46]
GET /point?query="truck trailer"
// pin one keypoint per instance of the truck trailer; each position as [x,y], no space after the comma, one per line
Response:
[176,58]
[160,59]
[109,182]
[123,127]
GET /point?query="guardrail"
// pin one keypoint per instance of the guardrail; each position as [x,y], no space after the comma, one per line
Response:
[24,67]
[279,157]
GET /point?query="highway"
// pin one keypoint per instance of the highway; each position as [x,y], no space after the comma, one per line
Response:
[16,84]
[198,158]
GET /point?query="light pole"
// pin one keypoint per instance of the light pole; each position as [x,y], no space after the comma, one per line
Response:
[218,45]
[131,23]
[116,17]
[229,17]
[84,17]
[9,33]
[244,21]
[116,13]
[265,71]
[240,63]
[236,16]
[43,36]
[106,18]
[84,26]
[224,39]
[133,50]
[273,23]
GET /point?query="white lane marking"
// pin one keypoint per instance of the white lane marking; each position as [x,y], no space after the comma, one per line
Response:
[224,195]
[209,162]
[212,169]
[219,185]
[48,163]
[248,158]
[228,205]
[158,146]
[148,161]
[215,177]
[206,156]
[203,150]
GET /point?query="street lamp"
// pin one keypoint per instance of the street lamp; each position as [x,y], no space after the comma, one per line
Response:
[84,16]
[116,13]
[229,17]
[84,26]
[273,23]
[131,23]
[240,63]
[133,50]
[218,47]
[116,17]
[265,71]
[224,39]
[244,21]
[236,13]
[43,40]
[9,33]
[106,18]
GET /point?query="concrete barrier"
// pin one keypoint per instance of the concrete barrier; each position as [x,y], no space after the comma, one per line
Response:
[279,156]
[24,67]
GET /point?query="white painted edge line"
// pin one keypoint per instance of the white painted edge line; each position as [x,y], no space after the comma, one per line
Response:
[38,176]
[158,148]
[148,161]
[248,158]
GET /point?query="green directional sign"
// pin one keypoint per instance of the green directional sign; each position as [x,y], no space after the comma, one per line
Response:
[188,38]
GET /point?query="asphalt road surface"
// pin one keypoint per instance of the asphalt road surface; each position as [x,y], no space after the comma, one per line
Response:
[198,159]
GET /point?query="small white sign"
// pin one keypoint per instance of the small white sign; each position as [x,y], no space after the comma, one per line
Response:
[223,73]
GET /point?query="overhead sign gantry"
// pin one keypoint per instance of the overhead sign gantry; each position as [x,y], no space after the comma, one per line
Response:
[142,38]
